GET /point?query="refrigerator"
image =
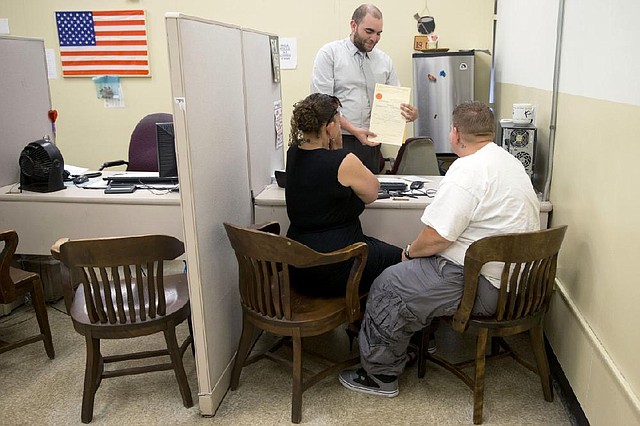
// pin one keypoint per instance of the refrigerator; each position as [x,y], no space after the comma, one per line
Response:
[441,80]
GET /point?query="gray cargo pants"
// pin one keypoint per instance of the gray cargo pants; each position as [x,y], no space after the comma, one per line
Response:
[404,299]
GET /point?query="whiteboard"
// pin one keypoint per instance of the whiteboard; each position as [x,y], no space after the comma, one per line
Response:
[24,101]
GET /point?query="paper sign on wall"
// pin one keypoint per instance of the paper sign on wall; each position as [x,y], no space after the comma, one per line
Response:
[288,53]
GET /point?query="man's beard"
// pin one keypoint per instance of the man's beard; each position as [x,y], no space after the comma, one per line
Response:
[359,42]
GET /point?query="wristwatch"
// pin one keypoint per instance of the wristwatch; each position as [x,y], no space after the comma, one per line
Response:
[406,251]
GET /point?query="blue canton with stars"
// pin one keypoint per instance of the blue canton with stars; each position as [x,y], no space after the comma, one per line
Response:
[75,29]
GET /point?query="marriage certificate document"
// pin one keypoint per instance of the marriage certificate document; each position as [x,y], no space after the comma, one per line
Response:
[387,121]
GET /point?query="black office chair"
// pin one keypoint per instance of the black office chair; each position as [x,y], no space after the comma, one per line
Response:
[143,147]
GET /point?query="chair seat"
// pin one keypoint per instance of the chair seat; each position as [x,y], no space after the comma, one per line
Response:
[20,277]
[311,316]
[310,307]
[176,293]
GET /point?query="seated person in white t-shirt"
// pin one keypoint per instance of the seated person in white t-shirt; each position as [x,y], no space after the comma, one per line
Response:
[485,192]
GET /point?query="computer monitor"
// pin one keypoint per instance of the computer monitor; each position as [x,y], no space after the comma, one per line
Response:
[167,164]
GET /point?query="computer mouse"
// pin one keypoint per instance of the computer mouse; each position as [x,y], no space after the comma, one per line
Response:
[80,179]
[418,184]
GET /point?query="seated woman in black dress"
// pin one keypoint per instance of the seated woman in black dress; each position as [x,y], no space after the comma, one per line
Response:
[326,191]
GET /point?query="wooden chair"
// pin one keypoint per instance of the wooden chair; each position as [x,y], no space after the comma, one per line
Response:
[527,284]
[270,303]
[15,283]
[121,293]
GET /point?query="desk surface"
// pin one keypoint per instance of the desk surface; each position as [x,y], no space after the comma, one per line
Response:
[273,195]
[394,220]
[40,219]
[77,194]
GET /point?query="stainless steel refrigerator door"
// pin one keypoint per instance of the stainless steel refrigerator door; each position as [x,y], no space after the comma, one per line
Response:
[440,81]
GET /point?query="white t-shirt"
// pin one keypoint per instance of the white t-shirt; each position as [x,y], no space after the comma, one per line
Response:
[483,194]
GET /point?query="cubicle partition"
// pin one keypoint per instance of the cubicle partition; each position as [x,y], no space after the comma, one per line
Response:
[224,94]
[24,101]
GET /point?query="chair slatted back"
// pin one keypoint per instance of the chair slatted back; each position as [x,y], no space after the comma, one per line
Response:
[117,273]
[264,259]
[528,274]
[7,287]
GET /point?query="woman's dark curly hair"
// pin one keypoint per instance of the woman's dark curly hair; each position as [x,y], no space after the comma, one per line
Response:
[310,114]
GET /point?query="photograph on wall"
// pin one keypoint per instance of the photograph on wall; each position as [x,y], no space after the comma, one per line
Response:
[94,43]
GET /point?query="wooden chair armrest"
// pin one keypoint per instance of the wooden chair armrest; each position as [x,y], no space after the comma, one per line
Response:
[10,238]
[460,319]
[55,248]
[67,285]
[359,252]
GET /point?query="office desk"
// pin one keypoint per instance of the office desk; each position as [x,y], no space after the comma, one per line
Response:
[396,221]
[40,219]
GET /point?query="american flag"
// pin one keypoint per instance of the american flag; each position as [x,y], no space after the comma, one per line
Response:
[103,43]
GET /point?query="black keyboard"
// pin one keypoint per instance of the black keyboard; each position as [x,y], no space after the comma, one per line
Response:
[393,186]
[141,180]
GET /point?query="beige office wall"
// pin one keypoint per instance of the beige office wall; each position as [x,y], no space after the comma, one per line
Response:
[593,325]
[89,134]
[595,184]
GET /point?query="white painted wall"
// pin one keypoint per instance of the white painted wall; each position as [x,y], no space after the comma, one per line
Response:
[601,50]
[526,42]
[593,325]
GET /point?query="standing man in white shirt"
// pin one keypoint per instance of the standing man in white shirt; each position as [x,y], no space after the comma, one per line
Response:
[349,69]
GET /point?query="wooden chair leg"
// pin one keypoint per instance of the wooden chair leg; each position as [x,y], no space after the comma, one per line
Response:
[423,337]
[478,387]
[37,295]
[352,330]
[423,346]
[178,367]
[296,395]
[91,378]
[243,350]
[537,344]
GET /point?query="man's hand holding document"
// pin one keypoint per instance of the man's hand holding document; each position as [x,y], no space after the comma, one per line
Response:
[387,121]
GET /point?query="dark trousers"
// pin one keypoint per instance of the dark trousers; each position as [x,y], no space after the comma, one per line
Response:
[369,155]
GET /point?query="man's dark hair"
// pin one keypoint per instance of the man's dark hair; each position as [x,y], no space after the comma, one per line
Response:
[363,10]
[474,118]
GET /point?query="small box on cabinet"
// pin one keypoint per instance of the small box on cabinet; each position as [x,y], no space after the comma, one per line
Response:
[420,42]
